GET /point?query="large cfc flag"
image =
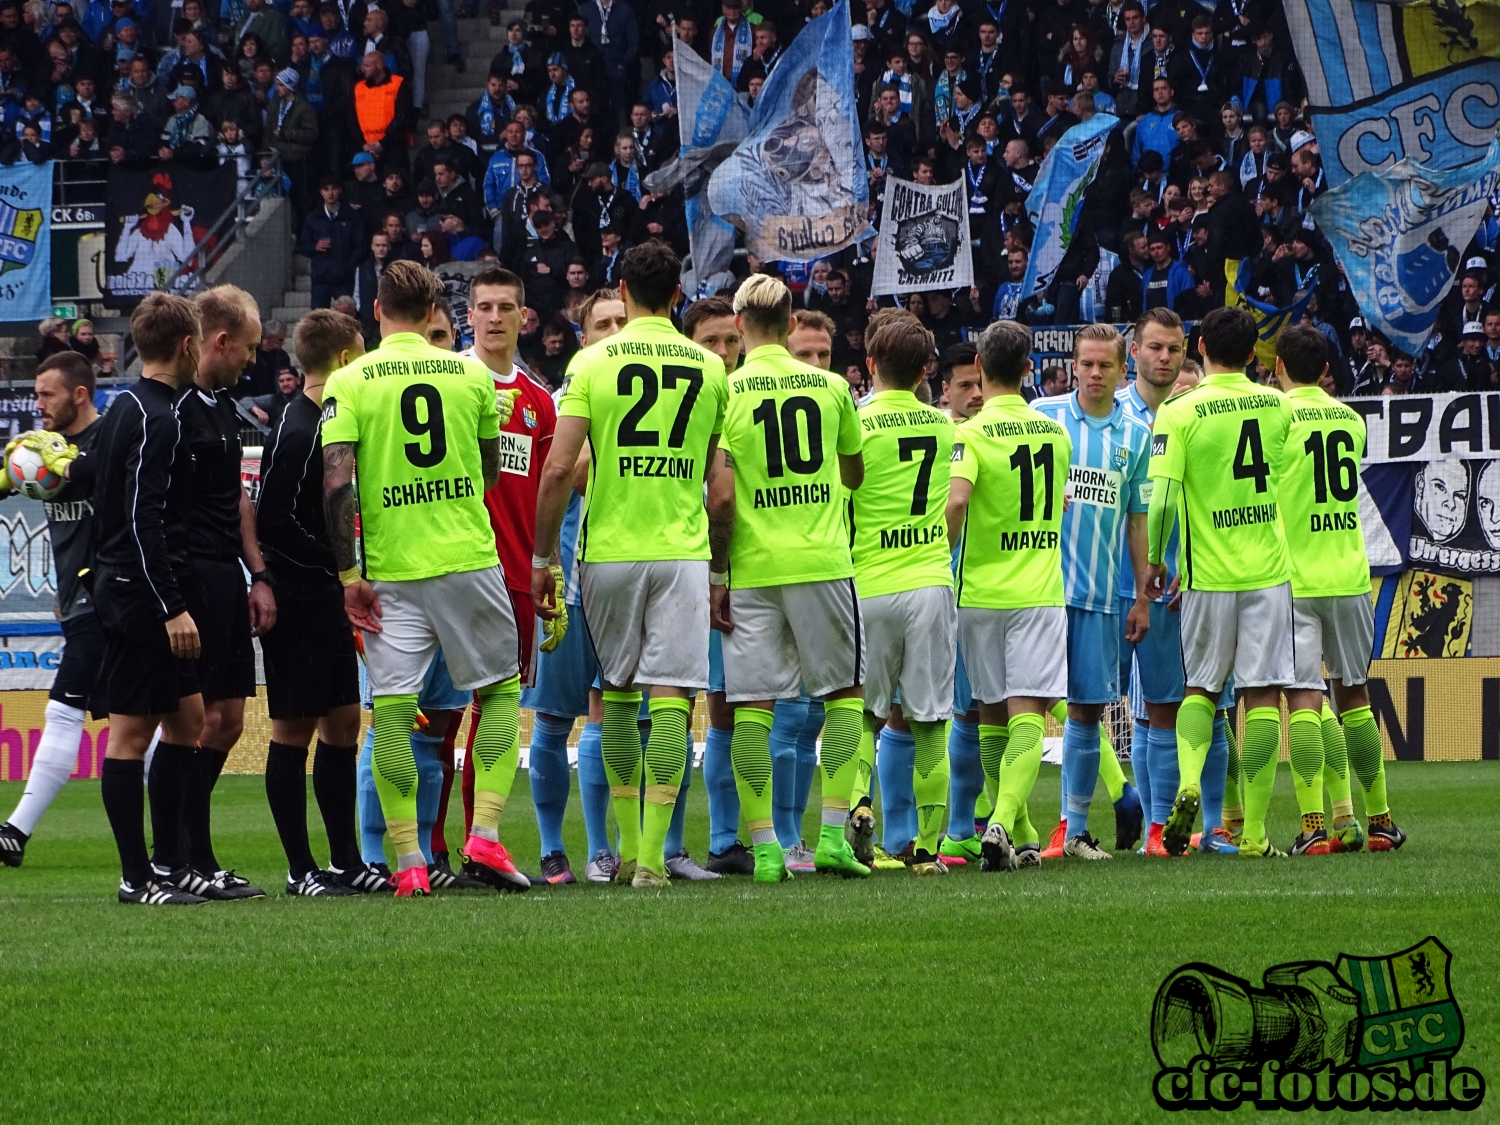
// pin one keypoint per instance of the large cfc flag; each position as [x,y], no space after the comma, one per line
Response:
[797,185]
[26,241]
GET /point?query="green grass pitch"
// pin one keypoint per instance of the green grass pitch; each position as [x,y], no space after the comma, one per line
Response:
[1002,998]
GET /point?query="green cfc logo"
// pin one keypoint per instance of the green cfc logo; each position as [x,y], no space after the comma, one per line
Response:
[1368,1033]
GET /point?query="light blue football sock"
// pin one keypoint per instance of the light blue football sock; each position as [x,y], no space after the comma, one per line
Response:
[807,757]
[679,810]
[371,818]
[593,789]
[1161,750]
[1140,764]
[965,777]
[1215,772]
[428,751]
[786,729]
[550,777]
[894,761]
[1080,772]
[723,798]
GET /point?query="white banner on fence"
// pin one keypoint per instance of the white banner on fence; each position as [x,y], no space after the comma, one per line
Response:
[1411,428]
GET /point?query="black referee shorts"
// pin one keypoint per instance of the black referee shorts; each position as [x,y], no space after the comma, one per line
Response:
[311,664]
[219,601]
[80,674]
[141,676]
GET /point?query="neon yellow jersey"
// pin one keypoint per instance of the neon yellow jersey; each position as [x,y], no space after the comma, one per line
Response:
[1320,496]
[1224,440]
[416,415]
[900,535]
[1017,460]
[654,401]
[785,425]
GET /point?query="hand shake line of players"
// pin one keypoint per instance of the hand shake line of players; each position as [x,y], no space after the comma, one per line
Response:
[695,522]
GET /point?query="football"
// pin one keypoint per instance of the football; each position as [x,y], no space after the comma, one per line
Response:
[29,476]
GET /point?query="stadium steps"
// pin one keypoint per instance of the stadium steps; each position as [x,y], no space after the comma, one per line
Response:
[448,92]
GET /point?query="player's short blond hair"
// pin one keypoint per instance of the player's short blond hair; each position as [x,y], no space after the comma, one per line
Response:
[816,320]
[765,302]
[160,323]
[225,308]
[1100,334]
[321,335]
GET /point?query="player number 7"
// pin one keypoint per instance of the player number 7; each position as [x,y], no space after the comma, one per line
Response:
[927,447]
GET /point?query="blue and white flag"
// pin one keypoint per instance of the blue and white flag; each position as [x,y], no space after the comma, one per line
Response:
[1388,82]
[1400,237]
[26,241]
[1057,197]
[711,119]
[797,184]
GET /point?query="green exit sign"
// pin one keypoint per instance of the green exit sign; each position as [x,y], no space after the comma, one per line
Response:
[67,312]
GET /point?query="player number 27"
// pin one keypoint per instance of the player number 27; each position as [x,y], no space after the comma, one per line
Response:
[1024,460]
[630,433]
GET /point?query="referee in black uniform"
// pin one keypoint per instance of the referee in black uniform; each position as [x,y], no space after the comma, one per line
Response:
[220,533]
[312,671]
[141,493]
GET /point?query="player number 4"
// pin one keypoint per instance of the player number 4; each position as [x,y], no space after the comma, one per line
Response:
[1250,457]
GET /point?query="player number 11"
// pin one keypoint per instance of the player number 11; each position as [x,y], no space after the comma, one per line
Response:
[1024,460]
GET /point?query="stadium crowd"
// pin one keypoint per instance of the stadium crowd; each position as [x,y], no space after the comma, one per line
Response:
[546,171]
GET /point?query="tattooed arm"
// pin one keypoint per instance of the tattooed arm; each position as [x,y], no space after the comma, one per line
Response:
[339,503]
[489,461]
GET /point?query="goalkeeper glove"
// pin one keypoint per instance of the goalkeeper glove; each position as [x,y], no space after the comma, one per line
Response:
[56,451]
[555,629]
[6,486]
[505,403]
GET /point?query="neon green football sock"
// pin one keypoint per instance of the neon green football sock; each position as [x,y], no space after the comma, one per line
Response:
[1234,794]
[395,770]
[930,776]
[843,724]
[497,749]
[865,769]
[1258,760]
[750,754]
[1024,832]
[1195,732]
[984,804]
[993,741]
[1366,758]
[666,758]
[1336,768]
[1305,747]
[1018,770]
[620,746]
[1109,765]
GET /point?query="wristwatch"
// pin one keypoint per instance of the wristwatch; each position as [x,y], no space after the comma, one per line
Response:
[262,576]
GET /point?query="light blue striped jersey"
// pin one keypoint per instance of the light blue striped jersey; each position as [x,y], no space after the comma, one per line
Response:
[1106,479]
[1137,405]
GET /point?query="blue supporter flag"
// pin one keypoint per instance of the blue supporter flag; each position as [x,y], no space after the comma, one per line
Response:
[797,184]
[26,240]
[1400,237]
[1057,197]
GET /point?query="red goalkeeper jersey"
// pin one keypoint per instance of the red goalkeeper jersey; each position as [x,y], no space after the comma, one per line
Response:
[524,443]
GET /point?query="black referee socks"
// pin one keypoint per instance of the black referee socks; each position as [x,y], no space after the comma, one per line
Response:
[120,784]
[286,790]
[203,775]
[336,788]
[170,764]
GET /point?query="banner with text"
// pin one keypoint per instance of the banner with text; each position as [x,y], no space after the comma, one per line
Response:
[26,241]
[924,239]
